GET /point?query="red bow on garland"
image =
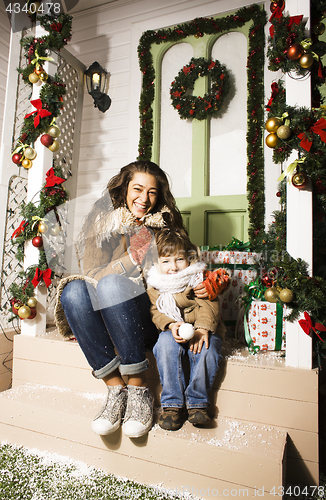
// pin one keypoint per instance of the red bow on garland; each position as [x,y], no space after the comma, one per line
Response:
[318,129]
[42,275]
[275,91]
[19,229]
[278,14]
[307,325]
[52,179]
[40,113]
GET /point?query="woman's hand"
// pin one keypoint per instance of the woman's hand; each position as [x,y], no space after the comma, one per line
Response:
[174,327]
[200,291]
[199,339]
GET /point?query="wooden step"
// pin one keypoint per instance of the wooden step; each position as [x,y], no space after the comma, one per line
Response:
[232,455]
[254,388]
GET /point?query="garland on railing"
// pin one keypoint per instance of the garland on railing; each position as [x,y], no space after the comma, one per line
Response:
[40,122]
[255,68]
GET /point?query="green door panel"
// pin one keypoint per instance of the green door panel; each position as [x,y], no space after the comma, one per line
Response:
[216,219]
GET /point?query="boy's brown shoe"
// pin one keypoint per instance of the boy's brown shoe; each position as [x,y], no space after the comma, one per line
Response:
[198,416]
[171,419]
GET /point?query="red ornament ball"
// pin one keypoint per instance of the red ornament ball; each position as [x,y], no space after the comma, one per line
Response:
[295,52]
[276,4]
[46,140]
[279,194]
[37,242]
[16,158]
[33,313]
[15,309]
[266,281]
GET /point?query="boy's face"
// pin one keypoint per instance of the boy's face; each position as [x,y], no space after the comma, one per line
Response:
[173,264]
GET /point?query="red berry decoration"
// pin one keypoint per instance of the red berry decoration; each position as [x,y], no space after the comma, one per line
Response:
[46,140]
[37,242]
[295,52]
[279,194]
[16,158]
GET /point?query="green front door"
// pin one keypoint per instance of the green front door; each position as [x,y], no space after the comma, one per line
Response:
[210,219]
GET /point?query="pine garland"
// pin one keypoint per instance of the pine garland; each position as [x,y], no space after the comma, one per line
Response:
[255,74]
[52,194]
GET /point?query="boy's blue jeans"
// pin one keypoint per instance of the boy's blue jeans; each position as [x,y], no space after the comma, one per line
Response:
[169,355]
[112,324]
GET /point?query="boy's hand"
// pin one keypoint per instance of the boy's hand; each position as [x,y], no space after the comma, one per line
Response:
[199,339]
[174,327]
[200,291]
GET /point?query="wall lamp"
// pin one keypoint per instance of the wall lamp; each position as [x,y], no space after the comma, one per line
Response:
[96,81]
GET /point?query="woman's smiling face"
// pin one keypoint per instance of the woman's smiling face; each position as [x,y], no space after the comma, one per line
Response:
[142,194]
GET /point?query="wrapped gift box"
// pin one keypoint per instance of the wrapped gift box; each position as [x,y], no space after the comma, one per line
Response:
[242,271]
[266,326]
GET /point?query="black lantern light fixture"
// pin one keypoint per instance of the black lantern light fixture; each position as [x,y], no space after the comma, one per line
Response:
[96,80]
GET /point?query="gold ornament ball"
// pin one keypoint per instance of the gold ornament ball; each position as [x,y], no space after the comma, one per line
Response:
[32,302]
[54,146]
[43,76]
[54,131]
[286,295]
[55,230]
[283,132]
[319,29]
[33,78]
[30,153]
[271,294]
[26,163]
[299,180]
[24,312]
[306,61]
[42,227]
[272,125]
[272,141]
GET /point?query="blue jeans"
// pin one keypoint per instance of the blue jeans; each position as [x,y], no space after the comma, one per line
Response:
[170,356]
[110,336]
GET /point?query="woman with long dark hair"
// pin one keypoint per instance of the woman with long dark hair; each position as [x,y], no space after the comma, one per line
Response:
[107,308]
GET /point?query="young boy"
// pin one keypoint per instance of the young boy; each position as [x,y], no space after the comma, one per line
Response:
[173,302]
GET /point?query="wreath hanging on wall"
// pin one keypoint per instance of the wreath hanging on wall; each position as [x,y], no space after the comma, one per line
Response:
[189,106]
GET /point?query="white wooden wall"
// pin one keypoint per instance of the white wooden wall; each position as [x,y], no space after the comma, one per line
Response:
[4,53]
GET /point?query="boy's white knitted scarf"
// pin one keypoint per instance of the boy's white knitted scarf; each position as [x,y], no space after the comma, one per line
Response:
[168,284]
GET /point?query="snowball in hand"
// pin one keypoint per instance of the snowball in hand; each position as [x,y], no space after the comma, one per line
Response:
[186,331]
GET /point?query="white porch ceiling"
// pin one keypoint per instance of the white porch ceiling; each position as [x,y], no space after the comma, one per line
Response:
[85,4]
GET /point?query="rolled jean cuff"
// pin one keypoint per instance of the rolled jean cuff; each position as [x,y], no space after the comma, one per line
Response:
[134,368]
[107,369]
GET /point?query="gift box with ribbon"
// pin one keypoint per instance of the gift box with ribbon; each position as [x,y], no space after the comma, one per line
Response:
[264,326]
[237,259]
